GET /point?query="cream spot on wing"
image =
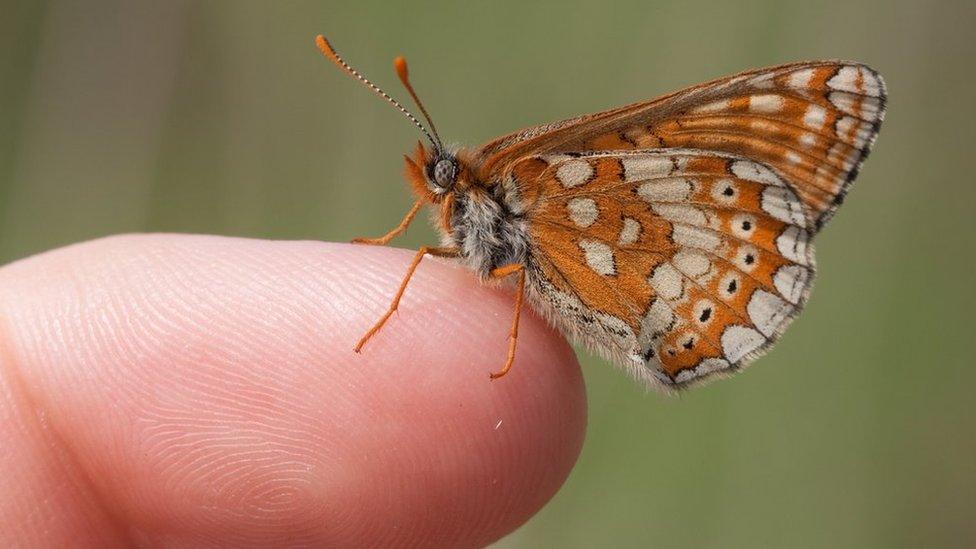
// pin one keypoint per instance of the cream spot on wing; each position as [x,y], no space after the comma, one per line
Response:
[746,258]
[684,375]
[845,125]
[681,163]
[667,282]
[844,101]
[555,159]
[768,311]
[867,108]
[715,106]
[674,189]
[694,237]
[792,244]
[791,281]
[800,79]
[692,263]
[582,211]
[729,285]
[767,103]
[752,171]
[705,367]
[782,204]
[599,257]
[807,139]
[743,225]
[845,80]
[681,213]
[710,365]
[642,168]
[574,173]
[630,232]
[792,157]
[739,341]
[815,117]
[704,312]
[725,191]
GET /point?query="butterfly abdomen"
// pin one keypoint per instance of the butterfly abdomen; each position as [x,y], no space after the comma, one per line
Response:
[488,229]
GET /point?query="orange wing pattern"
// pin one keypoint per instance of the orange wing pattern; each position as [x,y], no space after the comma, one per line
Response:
[814,123]
[676,262]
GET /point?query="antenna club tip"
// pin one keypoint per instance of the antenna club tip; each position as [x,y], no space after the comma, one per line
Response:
[400,65]
[325,47]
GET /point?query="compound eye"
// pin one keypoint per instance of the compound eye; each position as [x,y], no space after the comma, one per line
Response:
[444,173]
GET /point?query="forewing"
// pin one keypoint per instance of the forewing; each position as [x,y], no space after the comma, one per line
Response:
[813,122]
[676,263]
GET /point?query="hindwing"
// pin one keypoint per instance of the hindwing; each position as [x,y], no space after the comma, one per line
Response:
[676,263]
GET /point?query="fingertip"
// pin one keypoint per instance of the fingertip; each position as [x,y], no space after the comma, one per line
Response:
[506,444]
[210,387]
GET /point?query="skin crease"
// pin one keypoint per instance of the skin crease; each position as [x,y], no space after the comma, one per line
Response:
[166,390]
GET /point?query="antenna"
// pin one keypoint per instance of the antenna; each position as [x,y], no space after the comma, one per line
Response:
[400,64]
[329,52]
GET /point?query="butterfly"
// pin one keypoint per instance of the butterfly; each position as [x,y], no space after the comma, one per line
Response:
[672,236]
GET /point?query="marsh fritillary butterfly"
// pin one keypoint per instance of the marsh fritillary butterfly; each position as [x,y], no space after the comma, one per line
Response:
[673,235]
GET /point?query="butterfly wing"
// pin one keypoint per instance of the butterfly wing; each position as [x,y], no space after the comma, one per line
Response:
[676,263]
[812,122]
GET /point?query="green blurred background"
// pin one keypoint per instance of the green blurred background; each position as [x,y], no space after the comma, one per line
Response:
[221,117]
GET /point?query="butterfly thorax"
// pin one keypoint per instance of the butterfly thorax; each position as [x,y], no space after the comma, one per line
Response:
[485,221]
[488,228]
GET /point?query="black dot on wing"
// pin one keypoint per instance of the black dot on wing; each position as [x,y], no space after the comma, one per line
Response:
[728,191]
[750,259]
[705,315]
[689,344]
[733,286]
[746,225]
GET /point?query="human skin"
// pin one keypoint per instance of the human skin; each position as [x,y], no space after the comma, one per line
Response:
[175,390]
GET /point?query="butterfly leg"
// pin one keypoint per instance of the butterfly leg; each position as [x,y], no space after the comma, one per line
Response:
[441,252]
[502,272]
[396,231]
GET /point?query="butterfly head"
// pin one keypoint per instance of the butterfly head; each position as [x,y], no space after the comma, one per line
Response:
[442,173]
[434,173]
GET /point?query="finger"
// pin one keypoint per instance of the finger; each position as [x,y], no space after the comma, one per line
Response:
[203,390]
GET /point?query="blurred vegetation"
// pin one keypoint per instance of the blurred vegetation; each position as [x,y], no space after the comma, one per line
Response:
[219,116]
